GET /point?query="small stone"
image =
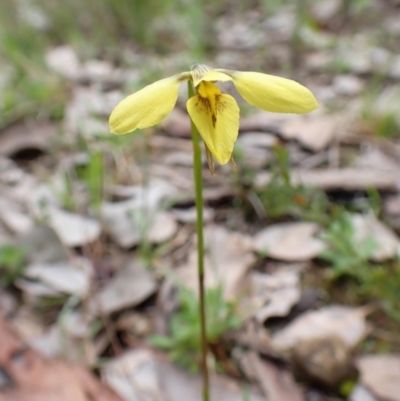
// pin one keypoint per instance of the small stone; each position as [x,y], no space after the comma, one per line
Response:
[64,61]
[323,11]
[348,85]
[135,323]
[319,61]
[325,360]
[97,70]
[361,393]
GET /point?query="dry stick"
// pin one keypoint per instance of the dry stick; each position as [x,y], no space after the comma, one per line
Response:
[197,171]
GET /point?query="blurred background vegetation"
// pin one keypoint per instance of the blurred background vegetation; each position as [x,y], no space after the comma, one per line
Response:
[125,32]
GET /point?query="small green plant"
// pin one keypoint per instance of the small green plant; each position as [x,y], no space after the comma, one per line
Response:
[347,255]
[386,126]
[384,284]
[65,192]
[280,198]
[11,263]
[28,90]
[184,344]
[351,257]
[93,175]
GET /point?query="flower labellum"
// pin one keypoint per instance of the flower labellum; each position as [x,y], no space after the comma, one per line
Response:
[215,114]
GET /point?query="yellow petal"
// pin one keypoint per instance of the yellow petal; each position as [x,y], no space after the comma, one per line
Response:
[220,130]
[276,94]
[146,107]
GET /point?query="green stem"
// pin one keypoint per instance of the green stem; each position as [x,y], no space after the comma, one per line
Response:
[197,171]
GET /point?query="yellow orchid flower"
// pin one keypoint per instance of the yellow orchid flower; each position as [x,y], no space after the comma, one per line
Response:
[215,114]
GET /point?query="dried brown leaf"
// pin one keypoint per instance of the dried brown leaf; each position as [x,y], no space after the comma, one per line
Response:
[277,384]
[381,375]
[289,241]
[344,322]
[33,378]
[130,286]
[348,179]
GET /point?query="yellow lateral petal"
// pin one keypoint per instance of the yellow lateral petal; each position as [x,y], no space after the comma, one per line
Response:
[220,131]
[276,94]
[146,107]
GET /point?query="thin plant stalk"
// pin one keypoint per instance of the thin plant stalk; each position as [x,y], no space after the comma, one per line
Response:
[197,171]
